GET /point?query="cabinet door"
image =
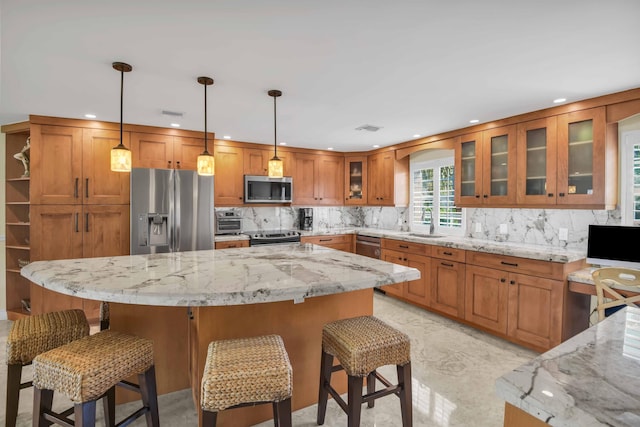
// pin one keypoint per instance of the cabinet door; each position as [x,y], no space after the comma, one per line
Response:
[329,180]
[419,291]
[99,185]
[105,230]
[229,180]
[447,287]
[499,166]
[468,167]
[374,165]
[397,289]
[486,298]
[56,165]
[355,181]
[382,179]
[150,150]
[56,232]
[187,150]
[581,157]
[256,161]
[536,169]
[535,310]
[304,189]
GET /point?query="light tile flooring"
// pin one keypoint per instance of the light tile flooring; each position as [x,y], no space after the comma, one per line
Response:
[454,368]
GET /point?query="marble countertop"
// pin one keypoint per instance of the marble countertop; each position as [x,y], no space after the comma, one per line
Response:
[522,250]
[592,379]
[217,277]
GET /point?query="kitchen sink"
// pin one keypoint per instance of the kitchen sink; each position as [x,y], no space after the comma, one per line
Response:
[427,236]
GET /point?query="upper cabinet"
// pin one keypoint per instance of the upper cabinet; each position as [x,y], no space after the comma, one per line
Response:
[537,162]
[256,161]
[355,181]
[388,180]
[318,179]
[229,182]
[151,150]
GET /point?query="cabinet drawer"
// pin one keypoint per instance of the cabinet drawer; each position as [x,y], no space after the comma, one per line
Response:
[232,244]
[553,270]
[399,245]
[327,240]
[448,253]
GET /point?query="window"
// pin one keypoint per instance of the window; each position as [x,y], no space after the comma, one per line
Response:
[630,179]
[432,196]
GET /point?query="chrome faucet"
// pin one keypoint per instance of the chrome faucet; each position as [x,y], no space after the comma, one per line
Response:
[431,225]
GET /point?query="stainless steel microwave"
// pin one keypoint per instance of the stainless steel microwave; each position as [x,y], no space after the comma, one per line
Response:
[262,189]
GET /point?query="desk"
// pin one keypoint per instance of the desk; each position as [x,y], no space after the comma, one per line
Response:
[184,300]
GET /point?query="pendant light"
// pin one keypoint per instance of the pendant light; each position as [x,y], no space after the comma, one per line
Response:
[275,164]
[121,155]
[206,164]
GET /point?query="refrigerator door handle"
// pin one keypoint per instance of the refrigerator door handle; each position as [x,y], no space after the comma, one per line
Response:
[177,212]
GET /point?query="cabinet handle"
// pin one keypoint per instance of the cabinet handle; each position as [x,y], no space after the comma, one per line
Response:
[561,194]
[403,246]
[169,164]
[550,195]
[404,259]
[231,246]
[239,198]
[502,280]
[75,191]
[447,253]
[477,196]
[326,240]
[512,282]
[178,165]
[86,188]
[485,196]
[86,222]
[510,264]
[76,221]
[446,264]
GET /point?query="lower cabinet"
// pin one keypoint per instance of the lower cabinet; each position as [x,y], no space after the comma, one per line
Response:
[447,287]
[416,291]
[232,244]
[341,242]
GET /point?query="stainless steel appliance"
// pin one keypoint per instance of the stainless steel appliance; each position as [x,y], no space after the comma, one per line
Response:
[171,211]
[228,222]
[368,246]
[273,237]
[306,218]
[262,189]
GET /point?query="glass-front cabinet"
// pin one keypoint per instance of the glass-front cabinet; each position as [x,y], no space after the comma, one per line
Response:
[581,157]
[536,168]
[468,167]
[355,191]
[499,161]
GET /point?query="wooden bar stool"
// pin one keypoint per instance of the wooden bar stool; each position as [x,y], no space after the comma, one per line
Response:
[88,369]
[247,371]
[32,335]
[363,344]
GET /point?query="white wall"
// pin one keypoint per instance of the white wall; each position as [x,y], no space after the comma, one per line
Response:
[3,258]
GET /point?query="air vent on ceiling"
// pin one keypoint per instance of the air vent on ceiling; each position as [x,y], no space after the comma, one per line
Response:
[369,128]
[172,113]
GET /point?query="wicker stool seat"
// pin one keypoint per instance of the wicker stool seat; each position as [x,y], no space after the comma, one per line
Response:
[247,371]
[90,368]
[32,335]
[361,345]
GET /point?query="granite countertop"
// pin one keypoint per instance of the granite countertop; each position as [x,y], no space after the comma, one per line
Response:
[522,250]
[592,379]
[217,277]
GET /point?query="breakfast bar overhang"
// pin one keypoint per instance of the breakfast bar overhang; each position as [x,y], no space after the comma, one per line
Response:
[184,300]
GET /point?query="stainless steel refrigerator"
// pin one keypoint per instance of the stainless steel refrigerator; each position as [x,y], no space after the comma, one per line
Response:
[171,211]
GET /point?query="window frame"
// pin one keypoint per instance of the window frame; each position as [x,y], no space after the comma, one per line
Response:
[629,140]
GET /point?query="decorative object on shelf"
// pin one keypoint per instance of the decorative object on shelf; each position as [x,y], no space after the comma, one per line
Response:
[23,156]
[121,155]
[23,262]
[275,164]
[26,305]
[206,163]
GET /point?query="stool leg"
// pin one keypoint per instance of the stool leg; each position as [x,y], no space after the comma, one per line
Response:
[406,406]
[149,394]
[42,401]
[326,363]
[14,375]
[109,404]
[354,404]
[84,414]
[282,413]
[371,386]
[209,419]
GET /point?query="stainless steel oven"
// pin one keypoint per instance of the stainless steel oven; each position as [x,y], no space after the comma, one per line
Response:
[228,222]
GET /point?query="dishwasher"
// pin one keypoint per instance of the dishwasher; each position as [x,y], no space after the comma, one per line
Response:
[368,246]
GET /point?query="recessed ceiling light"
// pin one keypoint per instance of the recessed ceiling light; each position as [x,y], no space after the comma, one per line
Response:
[330,148]
[227,137]
[474,121]
[283,143]
[559,100]
[417,135]
[376,146]
[90,116]
[175,125]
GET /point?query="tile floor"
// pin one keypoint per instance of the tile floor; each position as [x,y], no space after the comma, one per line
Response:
[454,368]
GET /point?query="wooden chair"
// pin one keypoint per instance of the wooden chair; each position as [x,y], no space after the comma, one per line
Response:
[608,278]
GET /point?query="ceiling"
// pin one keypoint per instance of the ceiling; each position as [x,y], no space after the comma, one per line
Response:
[409,67]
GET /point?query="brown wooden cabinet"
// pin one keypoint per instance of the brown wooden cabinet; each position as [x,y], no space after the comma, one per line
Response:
[537,162]
[355,180]
[448,280]
[318,179]
[342,242]
[164,151]
[232,244]
[229,188]
[256,161]
[387,180]
[414,255]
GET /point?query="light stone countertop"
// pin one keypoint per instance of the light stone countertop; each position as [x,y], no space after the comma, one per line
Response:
[217,277]
[592,379]
[522,250]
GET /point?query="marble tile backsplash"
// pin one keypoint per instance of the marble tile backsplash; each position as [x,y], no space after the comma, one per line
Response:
[535,226]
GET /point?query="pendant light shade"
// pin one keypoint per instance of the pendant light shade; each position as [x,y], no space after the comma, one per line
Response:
[121,155]
[206,165]
[276,169]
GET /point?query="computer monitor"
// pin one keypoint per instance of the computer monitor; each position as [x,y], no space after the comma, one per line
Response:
[614,246]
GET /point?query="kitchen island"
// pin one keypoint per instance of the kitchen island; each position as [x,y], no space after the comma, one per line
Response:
[593,379]
[184,300]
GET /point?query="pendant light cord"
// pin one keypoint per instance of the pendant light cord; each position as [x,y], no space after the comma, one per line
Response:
[205,120]
[275,129]
[121,101]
